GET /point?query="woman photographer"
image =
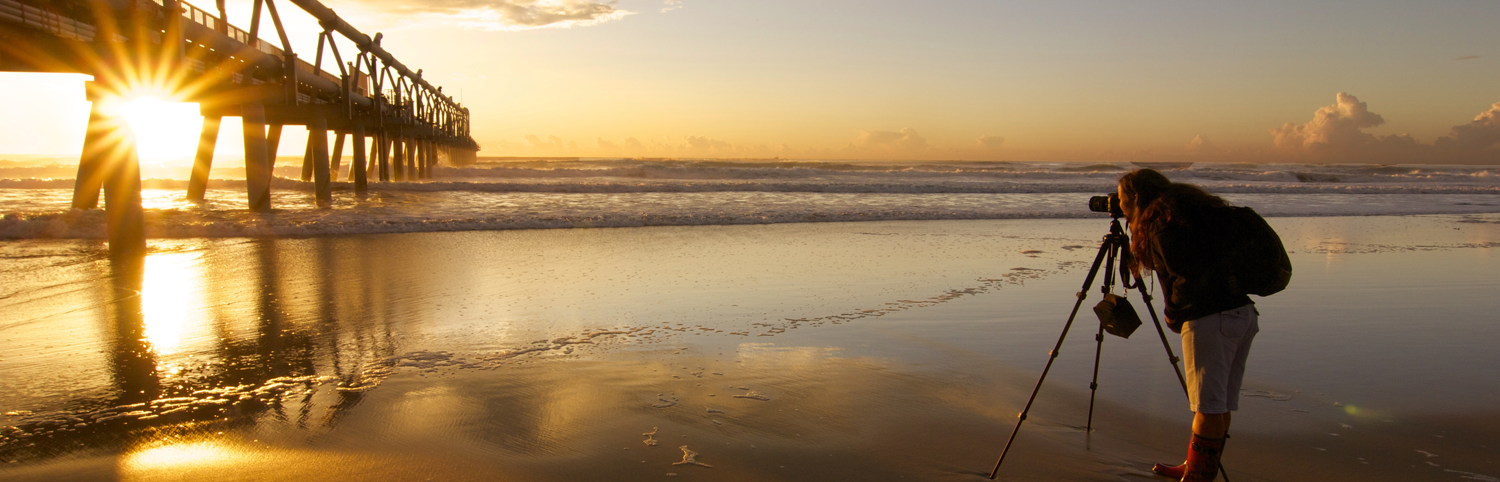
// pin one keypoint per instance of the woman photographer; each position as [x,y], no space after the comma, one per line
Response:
[1173,228]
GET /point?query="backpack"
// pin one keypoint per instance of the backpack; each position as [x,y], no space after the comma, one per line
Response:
[1257,261]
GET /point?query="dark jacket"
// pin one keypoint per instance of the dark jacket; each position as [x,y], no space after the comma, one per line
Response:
[1193,269]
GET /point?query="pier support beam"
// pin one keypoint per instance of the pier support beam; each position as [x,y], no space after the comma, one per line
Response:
[257,162]
[124,217]
[110,161]
[337,155]
[372,163]
[203,163]
[422,151]
[90,165]
[307,156]
[414,164]
[384,144]
[431,158]
[414,158]
[317,144]
[357,168]
[273,145]
[411,160]
[398,163]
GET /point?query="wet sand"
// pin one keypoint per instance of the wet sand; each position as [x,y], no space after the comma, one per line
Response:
[839,351]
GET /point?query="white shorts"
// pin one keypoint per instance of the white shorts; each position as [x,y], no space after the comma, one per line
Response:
[1214,349]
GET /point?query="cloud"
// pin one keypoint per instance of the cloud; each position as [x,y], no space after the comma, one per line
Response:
[1335,134]
[508,14]
[551,143]
[1468,57]
[1199,144]
[1483,134]
[989,142]
[704,143]
[907,140]
[1333,127]
[671,5]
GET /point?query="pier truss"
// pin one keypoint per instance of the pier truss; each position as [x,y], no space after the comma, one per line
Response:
[400,125]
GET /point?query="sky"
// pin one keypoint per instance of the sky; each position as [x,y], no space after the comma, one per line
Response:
[1264,81]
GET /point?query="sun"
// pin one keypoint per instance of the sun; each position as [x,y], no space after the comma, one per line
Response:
[165,132]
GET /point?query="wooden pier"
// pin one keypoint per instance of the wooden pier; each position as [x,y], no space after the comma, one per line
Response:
[400,126]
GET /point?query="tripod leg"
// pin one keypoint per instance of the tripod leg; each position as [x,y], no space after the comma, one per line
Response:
[1109,270]
[1171,356]
[1094,384]
[1052,356]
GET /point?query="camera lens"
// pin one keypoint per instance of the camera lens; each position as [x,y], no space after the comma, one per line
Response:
[1099,204]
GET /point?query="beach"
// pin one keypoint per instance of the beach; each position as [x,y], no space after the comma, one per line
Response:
[674,240]
[887,350]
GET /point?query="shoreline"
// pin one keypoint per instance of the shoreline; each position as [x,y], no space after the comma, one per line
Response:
[300,219]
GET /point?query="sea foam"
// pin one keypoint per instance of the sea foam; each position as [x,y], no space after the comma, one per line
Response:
[635,193]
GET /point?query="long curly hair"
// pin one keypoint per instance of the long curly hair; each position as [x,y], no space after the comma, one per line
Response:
[1159,202]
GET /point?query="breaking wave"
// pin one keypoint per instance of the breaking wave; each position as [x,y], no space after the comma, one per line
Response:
[546,194]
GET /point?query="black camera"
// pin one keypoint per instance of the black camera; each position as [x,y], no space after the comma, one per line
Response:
[1107,204]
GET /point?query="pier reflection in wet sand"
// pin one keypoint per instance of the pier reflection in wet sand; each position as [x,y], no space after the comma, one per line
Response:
[189,338]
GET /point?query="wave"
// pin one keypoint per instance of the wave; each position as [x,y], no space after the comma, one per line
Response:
[1302,183]
[449,211]
[532,194]
[888,172]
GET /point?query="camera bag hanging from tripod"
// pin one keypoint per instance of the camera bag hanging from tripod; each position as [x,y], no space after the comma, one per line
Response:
[1118,317]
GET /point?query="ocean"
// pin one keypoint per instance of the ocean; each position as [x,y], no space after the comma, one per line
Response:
[506,194]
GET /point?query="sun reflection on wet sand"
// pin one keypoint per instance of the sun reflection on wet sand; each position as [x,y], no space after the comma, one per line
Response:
[179,456]
[169,293]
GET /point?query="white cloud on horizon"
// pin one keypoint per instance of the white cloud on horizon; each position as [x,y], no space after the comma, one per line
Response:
[906,141]
[505,15]
[1199,144]
[1336,133]
[989,142]
[1333,127]
[1483,134]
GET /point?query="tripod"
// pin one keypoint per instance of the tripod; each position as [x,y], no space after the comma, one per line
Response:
[1116,247]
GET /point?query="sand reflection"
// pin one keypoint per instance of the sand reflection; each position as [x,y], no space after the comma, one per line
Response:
[173,457]
[170,292]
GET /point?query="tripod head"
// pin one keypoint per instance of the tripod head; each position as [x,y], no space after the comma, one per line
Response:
[1107,204]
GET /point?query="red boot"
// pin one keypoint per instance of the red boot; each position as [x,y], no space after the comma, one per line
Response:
[1173,472]
[1203,459]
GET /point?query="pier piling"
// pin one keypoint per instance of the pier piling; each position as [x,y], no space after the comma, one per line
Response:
[204,160]
[357,167]
[86,186]
[317,143]
[125,219]
[257,166]
[307,156]
[385,157]
[337,155]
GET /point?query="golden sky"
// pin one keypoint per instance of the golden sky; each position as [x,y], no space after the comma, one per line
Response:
[1263,81]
